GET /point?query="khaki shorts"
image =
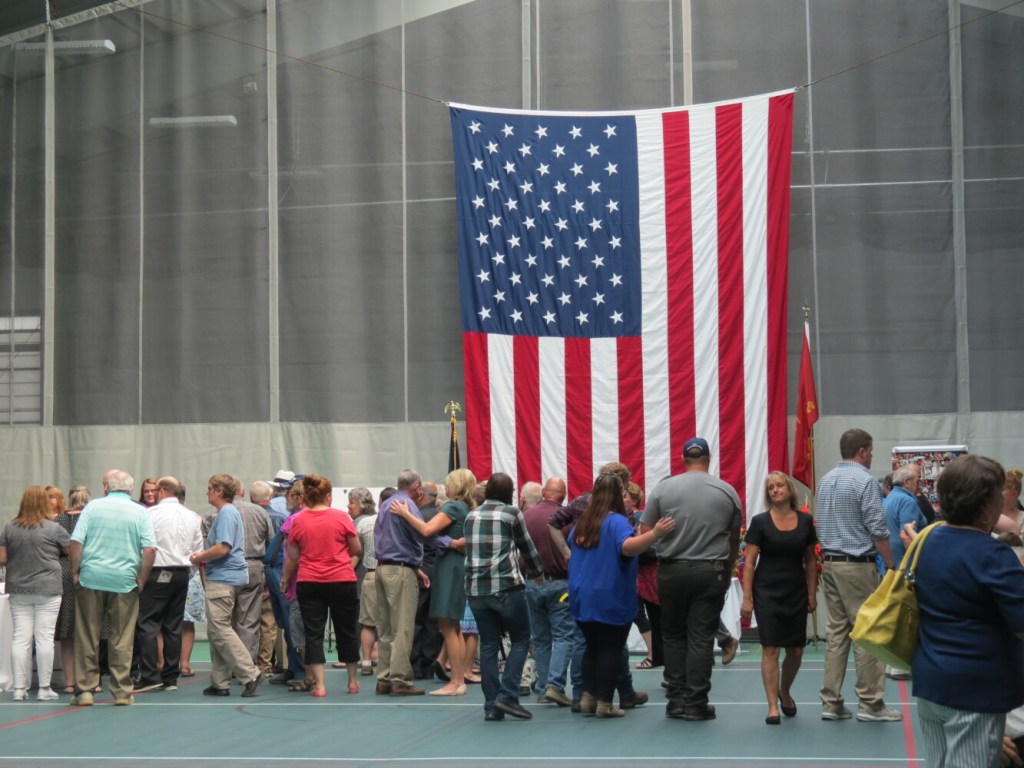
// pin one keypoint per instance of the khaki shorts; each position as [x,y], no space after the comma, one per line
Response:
[368,600]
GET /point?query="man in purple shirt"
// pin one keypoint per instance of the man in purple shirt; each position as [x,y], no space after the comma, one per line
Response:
[399,551]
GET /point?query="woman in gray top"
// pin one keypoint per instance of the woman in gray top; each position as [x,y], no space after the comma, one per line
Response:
[30,547]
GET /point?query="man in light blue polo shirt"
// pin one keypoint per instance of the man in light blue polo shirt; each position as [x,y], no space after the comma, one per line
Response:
[226,576]
[112,552]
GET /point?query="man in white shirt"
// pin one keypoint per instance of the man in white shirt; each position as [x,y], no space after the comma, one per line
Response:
[162,602]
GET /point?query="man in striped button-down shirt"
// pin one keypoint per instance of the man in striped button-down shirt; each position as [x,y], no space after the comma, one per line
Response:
[852,531]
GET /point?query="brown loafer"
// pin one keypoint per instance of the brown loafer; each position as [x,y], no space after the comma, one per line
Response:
[405,690]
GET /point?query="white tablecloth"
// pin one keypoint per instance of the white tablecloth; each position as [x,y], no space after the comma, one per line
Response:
[730,617]
[6,674]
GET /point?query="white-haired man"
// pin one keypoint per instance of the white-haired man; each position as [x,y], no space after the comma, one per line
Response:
[112,552]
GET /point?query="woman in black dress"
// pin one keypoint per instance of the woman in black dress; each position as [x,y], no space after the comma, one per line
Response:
[781,590]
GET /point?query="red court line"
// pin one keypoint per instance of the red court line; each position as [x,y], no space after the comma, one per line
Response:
[908,725]
[72,708]
[46,716]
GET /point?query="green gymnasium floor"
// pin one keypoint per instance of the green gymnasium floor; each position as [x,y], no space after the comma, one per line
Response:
[279,729]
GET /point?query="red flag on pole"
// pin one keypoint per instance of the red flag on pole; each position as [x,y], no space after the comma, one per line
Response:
[806,416]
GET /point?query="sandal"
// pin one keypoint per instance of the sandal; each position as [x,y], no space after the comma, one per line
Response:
[301,686]
[186,672]
[69,689]
[647,663]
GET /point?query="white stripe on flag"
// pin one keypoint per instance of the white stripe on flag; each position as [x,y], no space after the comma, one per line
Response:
[654,274]
[553,448]
[501,366]
[755,291]
[704,183]
[604,393]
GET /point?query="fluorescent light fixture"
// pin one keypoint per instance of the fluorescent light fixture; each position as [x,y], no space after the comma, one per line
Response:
[195,121]
[68,47]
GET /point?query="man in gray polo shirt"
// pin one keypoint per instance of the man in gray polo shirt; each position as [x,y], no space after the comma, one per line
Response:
[694,574]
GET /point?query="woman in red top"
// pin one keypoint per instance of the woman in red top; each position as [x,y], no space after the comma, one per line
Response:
[321,545]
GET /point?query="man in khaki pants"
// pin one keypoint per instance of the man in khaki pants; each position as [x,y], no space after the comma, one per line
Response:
[111,552]
[226,576]
[852,531]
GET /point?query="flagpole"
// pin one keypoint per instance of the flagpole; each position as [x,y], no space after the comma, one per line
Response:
[454,460]
[810,431]
[811,499]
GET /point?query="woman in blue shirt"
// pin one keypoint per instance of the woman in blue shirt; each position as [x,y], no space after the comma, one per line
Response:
[602,587]
[969,667]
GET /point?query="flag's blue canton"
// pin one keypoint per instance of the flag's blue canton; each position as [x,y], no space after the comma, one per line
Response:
[548,224]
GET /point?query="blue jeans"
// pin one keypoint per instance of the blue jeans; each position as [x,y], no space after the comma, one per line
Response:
[282,610]
[495,614]
[579,647]
[553,628]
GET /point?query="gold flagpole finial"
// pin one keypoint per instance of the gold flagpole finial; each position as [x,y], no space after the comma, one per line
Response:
[453,408]
[807,312]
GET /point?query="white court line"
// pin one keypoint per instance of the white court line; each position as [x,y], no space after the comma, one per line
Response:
[625,759]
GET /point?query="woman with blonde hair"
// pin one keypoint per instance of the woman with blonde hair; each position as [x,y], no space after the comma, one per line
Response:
[1011,519]
[448,587]
[78,497]
[31,546]
[55,496]
[780,585]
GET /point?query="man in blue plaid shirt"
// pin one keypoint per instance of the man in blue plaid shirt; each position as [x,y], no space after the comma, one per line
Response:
[496,537]
[852,531]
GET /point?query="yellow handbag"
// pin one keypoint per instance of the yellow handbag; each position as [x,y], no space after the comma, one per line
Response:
[886,625]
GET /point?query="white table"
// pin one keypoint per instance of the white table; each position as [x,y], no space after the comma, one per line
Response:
[6,673]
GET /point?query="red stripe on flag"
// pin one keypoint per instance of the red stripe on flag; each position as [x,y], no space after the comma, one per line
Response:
[579,432]
[780,130]
[478,403]
[527,378]
[679,284]
[631,406]
[731,394]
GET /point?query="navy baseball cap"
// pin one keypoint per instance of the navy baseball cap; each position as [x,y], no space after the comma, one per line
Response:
[696,447]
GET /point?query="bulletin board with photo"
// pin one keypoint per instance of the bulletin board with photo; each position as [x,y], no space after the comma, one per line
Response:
[931,460]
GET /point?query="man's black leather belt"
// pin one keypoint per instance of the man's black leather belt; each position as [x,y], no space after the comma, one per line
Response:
[398,562]
[849,558]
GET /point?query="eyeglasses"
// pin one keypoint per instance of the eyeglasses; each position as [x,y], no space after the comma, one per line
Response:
[294,494]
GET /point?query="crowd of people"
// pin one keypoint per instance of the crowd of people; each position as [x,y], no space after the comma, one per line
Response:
[411,580]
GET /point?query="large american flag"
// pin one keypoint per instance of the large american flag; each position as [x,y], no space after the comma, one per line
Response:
[623,288]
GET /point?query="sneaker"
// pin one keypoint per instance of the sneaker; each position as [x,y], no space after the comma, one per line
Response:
[835,713]
[47,694]
[83,699]
[127,701]
[555,696]
[896,674]
[168,687]
[883,715]
[20,694]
